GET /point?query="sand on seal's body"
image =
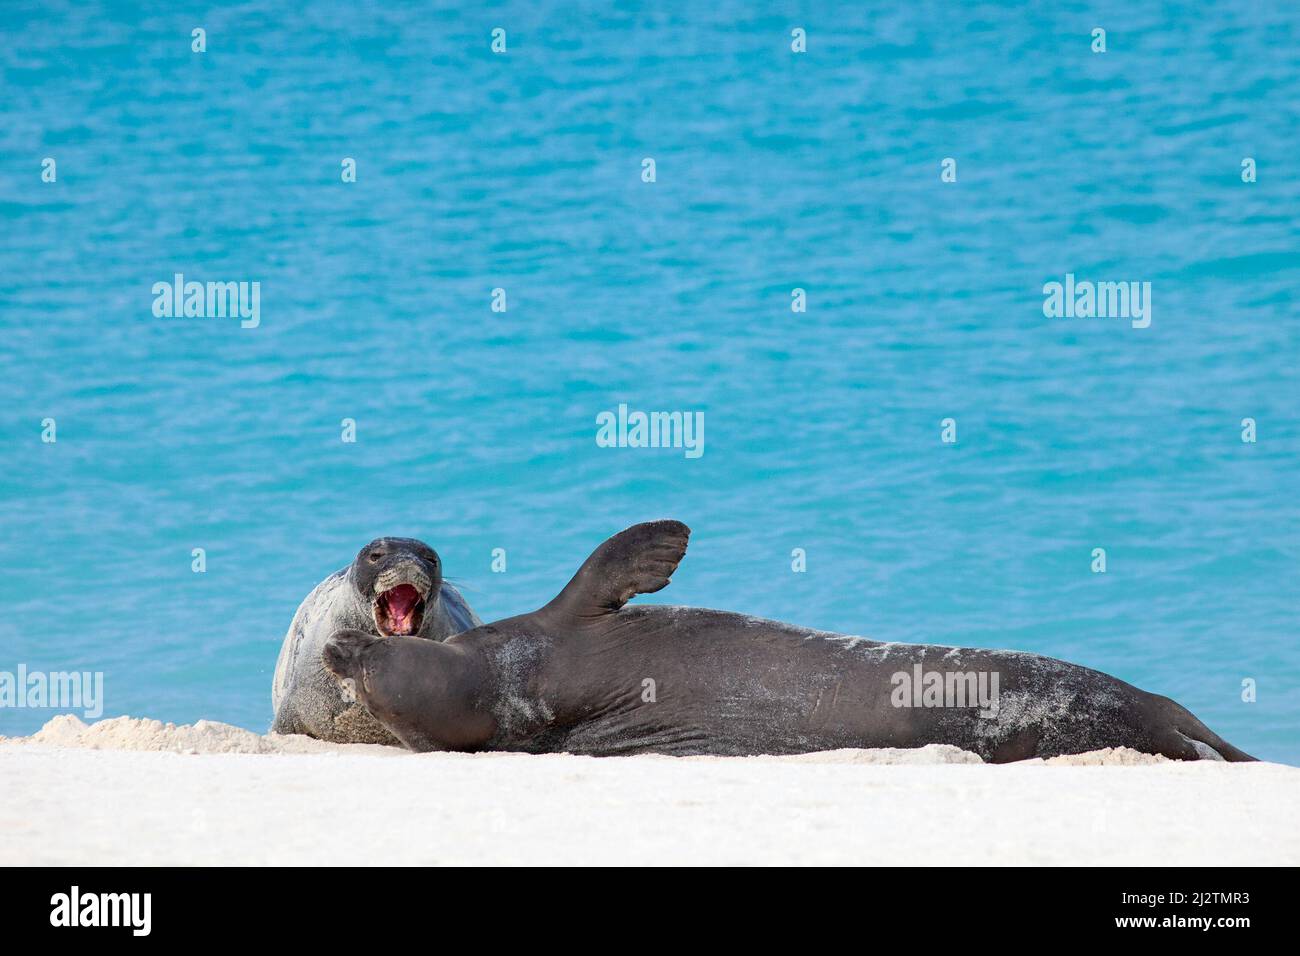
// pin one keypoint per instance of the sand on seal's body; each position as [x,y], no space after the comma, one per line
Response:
[132,791]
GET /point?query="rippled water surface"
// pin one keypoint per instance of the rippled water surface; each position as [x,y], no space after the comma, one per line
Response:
[775,171]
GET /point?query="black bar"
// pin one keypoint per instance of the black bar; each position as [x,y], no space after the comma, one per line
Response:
[364,905]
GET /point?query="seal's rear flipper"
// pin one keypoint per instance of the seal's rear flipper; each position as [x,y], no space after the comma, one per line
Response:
[1192,740]
[1203,751]
[342,652]
[639,560]
[1210,746]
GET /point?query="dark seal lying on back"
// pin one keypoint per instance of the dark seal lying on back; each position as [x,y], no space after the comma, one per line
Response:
[587,675]
[394,588]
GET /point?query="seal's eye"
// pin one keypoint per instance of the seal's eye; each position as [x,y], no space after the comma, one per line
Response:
[375,555]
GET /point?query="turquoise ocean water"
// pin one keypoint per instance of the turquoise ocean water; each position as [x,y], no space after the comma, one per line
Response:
[775,171]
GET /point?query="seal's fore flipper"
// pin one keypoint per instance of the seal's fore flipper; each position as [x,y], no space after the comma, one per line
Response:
[639,560]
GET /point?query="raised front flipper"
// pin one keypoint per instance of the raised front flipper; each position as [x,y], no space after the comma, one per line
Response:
[640,560]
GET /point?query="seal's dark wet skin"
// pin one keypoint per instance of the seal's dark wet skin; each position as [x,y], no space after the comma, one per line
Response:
[584,674]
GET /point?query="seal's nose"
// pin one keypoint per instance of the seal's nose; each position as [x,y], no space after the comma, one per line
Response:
[405,571]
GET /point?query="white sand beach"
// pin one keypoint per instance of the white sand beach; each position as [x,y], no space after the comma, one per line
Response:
[127,791]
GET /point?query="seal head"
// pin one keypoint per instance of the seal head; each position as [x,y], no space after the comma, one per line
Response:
[394,589]
[397,578]
[429,703]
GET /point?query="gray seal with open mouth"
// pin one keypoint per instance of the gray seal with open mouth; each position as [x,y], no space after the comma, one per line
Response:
[394,588]
[587,675]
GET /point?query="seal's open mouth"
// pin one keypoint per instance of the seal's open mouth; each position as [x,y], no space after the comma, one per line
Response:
[399,610]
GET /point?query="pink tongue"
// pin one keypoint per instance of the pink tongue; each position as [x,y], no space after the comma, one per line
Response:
[401,601]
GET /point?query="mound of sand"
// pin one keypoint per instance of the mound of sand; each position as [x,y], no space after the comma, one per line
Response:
[211,737]
[929,754]
[934,754]
[203,737]
[1110,757]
